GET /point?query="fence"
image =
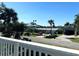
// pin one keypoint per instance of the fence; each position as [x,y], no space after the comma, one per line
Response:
[15,47]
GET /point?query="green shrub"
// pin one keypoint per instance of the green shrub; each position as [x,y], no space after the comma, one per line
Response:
[6,35]
[51,36]
[60,31]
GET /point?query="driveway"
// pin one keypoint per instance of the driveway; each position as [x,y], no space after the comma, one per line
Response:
[59,41]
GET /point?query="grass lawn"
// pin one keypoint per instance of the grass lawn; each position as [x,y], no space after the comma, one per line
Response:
[74,39]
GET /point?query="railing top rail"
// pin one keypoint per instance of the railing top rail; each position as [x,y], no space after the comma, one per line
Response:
[42,45]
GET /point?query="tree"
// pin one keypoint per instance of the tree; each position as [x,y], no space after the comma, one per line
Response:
[11,26]
[51,22]
[9,16]
[18,29]
[1,26]
[76,24]
[67,24]
[33,25]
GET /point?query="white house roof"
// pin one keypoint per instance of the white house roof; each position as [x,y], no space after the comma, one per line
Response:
[47,28]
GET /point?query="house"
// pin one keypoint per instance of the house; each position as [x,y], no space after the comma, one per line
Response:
[43,29]
[47,30]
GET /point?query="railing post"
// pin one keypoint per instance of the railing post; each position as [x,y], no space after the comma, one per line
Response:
[46,54]
[29,52]
[1,49]
[6,49]
[24,51]
[16,48]
[11,49]
[39,53]
[34,53]
[21,51]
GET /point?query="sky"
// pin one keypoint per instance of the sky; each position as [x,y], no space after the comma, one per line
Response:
[60,12]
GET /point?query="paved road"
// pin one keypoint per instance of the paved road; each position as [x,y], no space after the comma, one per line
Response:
[59,41]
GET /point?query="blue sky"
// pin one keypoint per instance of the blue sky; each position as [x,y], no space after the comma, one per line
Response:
[60,12]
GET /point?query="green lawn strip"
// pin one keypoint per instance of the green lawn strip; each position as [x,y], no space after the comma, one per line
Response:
[74,39]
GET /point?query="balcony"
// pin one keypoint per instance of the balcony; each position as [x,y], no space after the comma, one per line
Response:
[15,47]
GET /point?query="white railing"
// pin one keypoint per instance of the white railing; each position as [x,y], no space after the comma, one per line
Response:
[15,47]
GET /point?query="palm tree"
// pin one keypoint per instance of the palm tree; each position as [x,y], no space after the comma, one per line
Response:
[51,22]
[76,24]
[33,24]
